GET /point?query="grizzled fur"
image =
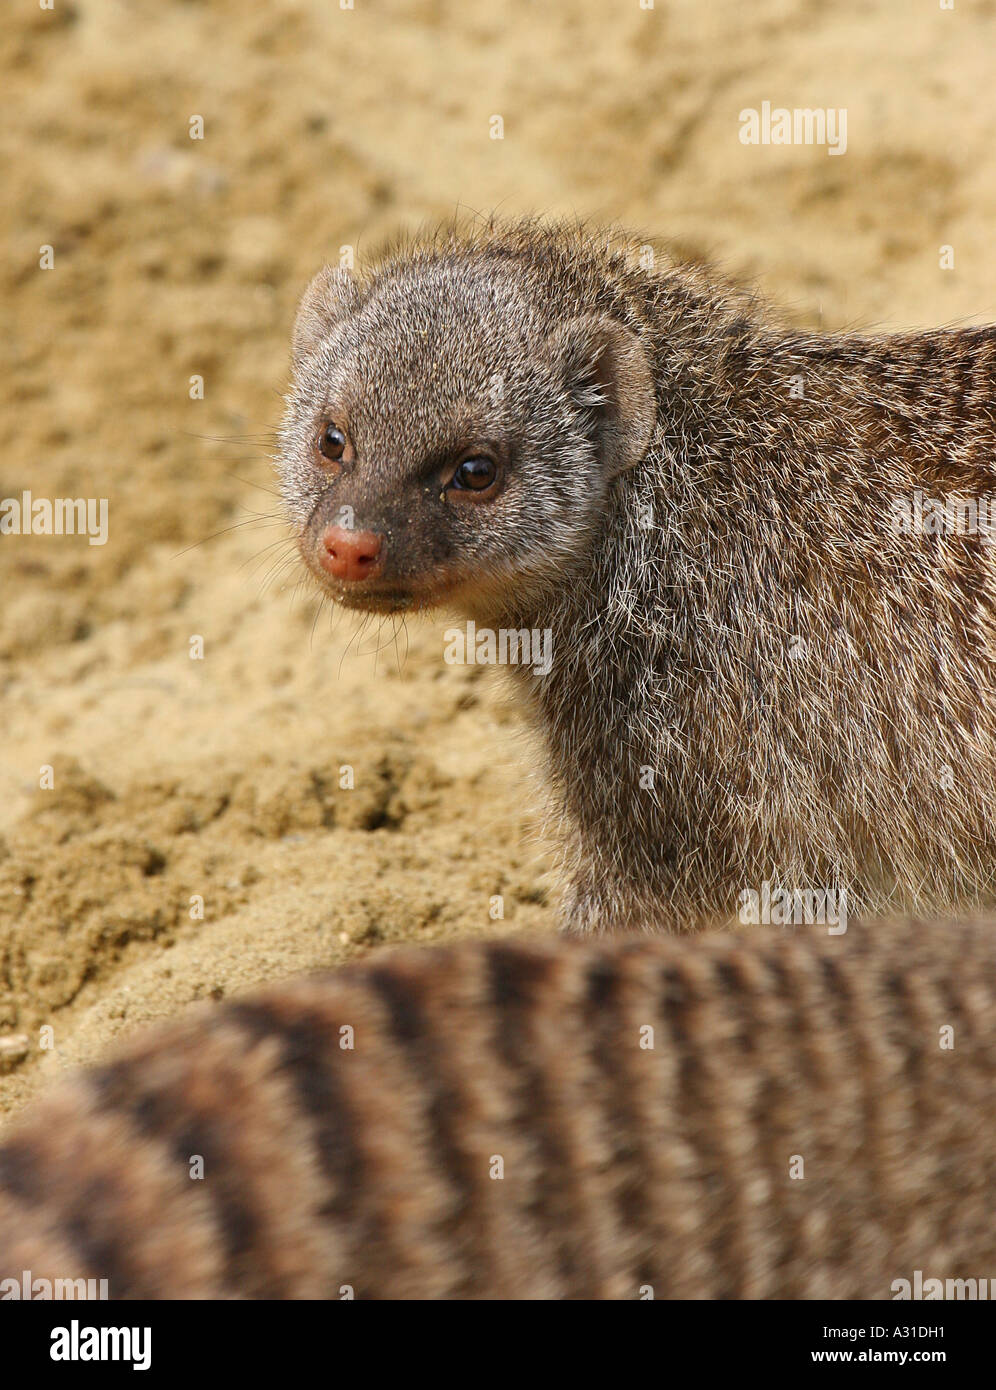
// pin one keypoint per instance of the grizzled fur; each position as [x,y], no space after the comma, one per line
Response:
[756,675]
[766,1117]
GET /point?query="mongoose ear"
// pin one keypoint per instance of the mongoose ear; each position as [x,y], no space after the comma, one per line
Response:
[332,294]
[608,373]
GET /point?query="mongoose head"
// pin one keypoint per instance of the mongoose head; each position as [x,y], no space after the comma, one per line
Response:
[453,431]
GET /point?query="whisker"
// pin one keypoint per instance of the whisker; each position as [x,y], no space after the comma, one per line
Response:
[399,621]
[267,438]
[357,636]
[380,646]
[279,568]
[318,610]
[270,491]
[265,518]
[280,541]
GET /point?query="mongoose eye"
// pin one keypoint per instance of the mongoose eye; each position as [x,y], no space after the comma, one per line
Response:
[331,442]
[475,474]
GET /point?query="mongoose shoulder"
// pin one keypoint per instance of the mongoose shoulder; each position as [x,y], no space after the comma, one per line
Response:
[775,1115]
[765,667]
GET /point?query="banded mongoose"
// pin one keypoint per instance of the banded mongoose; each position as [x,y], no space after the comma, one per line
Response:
[770,1115]
[767,666]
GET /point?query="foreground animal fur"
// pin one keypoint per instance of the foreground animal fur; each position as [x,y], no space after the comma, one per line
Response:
[776,1116]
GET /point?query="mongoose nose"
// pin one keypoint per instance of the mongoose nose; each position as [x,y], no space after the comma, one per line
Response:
[350,555]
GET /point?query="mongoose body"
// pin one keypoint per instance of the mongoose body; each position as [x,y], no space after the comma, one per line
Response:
[777,1115]
[772,661]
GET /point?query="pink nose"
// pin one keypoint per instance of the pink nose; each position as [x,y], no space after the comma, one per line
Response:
[351,555]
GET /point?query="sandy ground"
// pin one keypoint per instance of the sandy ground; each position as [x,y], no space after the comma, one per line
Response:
[220,778]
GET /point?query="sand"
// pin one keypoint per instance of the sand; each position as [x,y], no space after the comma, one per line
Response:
[220,779]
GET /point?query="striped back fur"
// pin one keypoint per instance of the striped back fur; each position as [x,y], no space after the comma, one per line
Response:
[504,1125]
